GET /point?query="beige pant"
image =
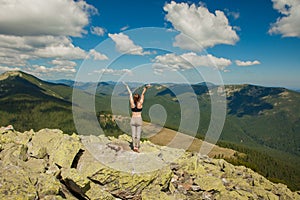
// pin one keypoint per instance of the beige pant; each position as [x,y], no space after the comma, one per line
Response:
[136,129]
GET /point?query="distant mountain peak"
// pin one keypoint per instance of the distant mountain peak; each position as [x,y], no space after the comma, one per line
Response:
[207,84]
[7,74]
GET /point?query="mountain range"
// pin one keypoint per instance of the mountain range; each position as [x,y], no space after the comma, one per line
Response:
[255,115]
[262,122]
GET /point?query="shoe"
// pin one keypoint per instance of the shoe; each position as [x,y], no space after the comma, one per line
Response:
[135,149]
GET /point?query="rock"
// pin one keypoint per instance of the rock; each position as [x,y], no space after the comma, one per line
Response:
[12,136]
[61,148]
[44,139]
[126,185]
[53,170]
[208,183]
[51,165]
[74,181]
[16,184]
[11,154]
[163,178]
[6,129]
[35,165]
[151,158]
[64,153]
[196,188]
[180,196]
[66,194]
[122,184]
[47,185]
[230,195]
[97,193]
[52,197]
[125,137]
[23,152]
[154,193]
[284,193]
[88,165]
[42,153]
[226,167]
[207,195]
[173,188]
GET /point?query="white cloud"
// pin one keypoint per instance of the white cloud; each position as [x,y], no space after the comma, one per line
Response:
[68,51]
[43,69]
[17,50]
[65,67]
[185,61]
[124,28]
[206,60]
[37,30]
[197,23]
[246,63]
[235,15]
[158,70]
[4,68]
[43,17]
[12,57]
[97,30]
[96,55]
[114,71]
[125,45]
[63,63]
[289,24]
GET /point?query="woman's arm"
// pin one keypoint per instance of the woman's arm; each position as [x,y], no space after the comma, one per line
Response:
[143,93]
[130,95]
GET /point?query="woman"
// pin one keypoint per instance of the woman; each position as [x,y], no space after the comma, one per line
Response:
[136,105]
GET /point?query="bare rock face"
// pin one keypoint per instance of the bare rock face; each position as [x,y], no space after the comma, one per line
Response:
[10,74]
[51,165]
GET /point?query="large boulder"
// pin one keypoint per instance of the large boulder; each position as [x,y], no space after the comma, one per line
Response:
[60,148]
[122,184]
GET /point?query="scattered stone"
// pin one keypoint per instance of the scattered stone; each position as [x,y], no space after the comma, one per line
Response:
[196,188]
[174,166]
[114,147]
[8,128]
[207,196]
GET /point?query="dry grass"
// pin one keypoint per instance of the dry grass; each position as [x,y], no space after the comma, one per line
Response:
[171,138]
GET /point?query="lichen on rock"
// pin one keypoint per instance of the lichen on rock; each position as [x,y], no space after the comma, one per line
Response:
[49,164]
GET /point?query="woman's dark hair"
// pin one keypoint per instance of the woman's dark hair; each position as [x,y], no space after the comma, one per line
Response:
[136,98]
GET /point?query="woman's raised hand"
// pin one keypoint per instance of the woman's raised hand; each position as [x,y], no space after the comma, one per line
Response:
[148,86]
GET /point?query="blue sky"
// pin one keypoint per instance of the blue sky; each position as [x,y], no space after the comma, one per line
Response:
[228,41]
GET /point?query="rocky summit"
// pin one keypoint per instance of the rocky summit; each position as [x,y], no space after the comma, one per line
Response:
[49,164]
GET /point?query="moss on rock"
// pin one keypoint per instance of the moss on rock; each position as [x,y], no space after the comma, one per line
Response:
[51,165]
